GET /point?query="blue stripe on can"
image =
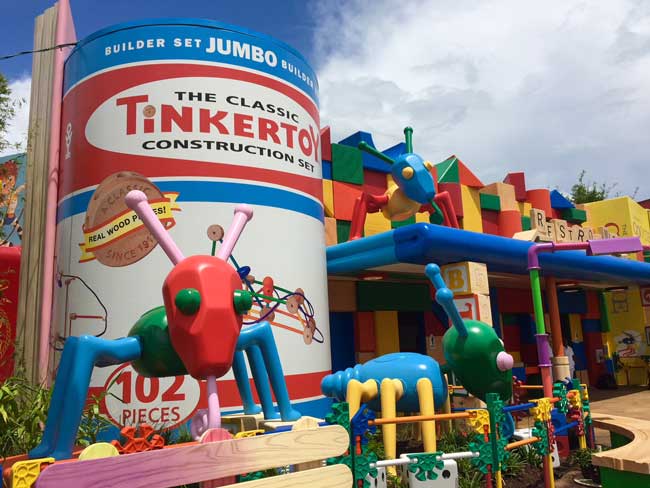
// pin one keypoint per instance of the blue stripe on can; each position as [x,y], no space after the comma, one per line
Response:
[214,191]
[90,55]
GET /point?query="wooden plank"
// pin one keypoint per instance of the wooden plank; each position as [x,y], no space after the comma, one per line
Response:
[29,300]
[198,462]
[336,476]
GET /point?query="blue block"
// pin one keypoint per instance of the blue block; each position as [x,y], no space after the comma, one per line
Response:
[591,325]
[342,340]
[558,419]
[520,373]
[580,355]
[327,170]
[527,325]
[575,302]
[494,305]
[609,365]
[559,202]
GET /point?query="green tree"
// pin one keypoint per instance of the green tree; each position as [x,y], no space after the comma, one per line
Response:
[583,192]
[7,111]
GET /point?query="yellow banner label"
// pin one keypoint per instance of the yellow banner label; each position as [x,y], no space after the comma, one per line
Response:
[126,223]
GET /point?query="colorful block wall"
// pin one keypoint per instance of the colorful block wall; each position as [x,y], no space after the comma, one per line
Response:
[501,208]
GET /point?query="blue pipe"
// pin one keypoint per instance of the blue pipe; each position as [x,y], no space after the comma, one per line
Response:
[518,408]
[566,427]
[424,243]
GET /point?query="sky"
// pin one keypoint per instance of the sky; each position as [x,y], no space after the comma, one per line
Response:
[549,88]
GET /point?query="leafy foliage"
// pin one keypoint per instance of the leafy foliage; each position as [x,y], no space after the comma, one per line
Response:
[23,410]
[7,111]
[583,192]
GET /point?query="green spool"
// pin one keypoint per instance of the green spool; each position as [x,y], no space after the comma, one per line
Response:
[159,358]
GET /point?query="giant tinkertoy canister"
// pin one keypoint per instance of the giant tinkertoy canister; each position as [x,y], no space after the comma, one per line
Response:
[199,116]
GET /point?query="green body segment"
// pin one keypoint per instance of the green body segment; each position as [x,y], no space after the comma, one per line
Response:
[536,290]
[473,359]
[159,358]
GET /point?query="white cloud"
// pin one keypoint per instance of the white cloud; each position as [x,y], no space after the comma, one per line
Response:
[549,88]
[17,128]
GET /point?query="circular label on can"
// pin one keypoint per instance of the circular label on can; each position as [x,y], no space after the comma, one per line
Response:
[112,232]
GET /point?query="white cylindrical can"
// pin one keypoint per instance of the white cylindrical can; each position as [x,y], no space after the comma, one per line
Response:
[201,116]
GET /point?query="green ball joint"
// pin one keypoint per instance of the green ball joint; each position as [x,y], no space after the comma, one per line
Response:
[188,301]
[159,358]
[243,301]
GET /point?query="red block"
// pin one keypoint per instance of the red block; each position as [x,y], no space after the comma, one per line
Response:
[364,331]
[490,221]
[515,300]
[518,180]
[326,144]
[374,182]
[511,337]
[10,265]
[529,354]
[541,200]
[456,197]
[509,222]
[433,326]
[563,448]
[594,341]
[593,305]
[345,194]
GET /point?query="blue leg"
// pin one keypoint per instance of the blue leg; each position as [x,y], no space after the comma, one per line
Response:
[261,335]
[258,370]
[243,385]
[80,355]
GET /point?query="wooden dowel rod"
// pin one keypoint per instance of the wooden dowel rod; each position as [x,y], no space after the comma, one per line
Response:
[523,442]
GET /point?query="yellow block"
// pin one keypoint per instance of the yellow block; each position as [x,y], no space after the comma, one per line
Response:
[466,277]
[376,223]
[422,217]
[627,320]
[524,208]
[516,355]
[328,198]
[576,327]
[621,216]
[386,332]
[472,220]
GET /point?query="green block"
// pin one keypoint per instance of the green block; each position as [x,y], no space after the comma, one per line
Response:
[343,230]
[490,202]
[574,215]
[509,319]
[377,295]
[447,171]
[613,478]
[347,164]
[395,225]
[525,222]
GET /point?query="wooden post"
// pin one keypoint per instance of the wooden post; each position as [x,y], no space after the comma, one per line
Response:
[31,281]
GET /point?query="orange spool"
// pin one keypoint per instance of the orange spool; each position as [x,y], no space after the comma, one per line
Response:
[541,200]
[509,222]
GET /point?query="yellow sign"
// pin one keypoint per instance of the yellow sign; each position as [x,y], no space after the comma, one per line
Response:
[125,224]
